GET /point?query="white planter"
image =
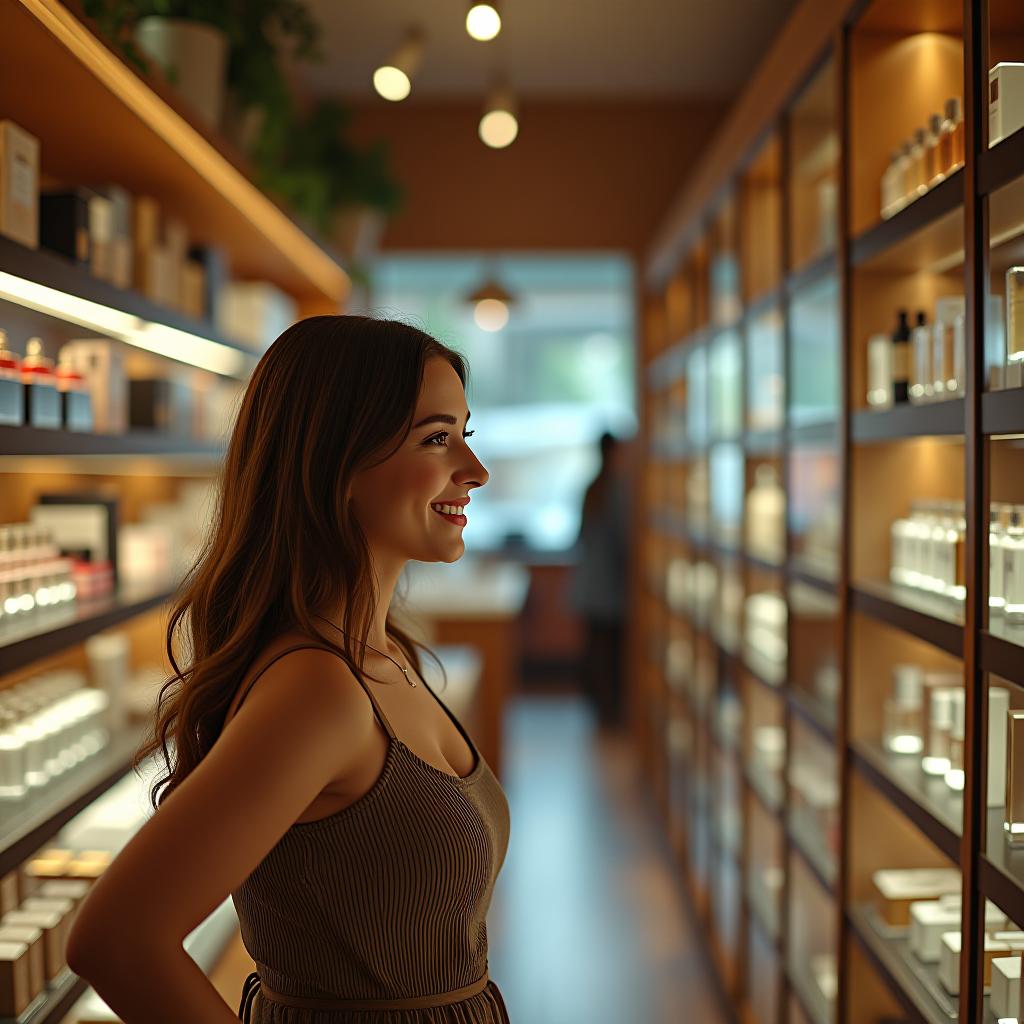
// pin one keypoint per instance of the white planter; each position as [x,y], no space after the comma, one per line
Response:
[356,232]
[194,58]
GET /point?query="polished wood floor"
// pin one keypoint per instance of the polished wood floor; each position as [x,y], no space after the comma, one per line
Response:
[587,924]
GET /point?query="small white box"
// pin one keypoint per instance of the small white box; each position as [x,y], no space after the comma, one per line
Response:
[101,362]
[998,706]
[929,919]
[1005,100]
[1005,999]
[949,962]
[254,313]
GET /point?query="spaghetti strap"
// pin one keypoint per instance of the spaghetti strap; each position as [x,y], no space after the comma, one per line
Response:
[378,710]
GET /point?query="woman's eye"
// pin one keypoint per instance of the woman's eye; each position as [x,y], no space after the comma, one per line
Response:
[443,435]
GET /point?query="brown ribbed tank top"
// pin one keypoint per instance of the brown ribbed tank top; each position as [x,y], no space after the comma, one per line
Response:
[377,914]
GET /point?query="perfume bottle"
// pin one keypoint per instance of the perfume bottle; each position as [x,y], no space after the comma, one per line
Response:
[947,348]
[999,519]
[940,720]
[891,185]
[922,378]
[955,773]
[901,359]
[955,130]
[766,515]
[902,540]
[1013,567]
[932,162]
[918,180]
[880,371]
[1015,316]
[955,580]
[1013,816]
[903,717]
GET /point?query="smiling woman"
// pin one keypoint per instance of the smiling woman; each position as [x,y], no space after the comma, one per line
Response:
[301,804]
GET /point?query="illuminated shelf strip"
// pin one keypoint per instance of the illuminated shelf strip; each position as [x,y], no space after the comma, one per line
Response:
[161,339]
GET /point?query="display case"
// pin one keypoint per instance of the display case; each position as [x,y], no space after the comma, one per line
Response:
[879,200]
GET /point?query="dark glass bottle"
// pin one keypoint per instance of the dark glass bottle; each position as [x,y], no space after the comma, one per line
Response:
[901,359]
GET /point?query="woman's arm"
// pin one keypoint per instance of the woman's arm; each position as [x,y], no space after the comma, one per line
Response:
[304,724]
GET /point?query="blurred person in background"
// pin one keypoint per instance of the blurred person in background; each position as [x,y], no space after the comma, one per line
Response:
[598,582]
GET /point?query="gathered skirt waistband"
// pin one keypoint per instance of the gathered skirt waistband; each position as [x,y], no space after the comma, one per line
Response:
[254,984]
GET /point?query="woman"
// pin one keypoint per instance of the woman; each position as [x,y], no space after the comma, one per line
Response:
[351,818]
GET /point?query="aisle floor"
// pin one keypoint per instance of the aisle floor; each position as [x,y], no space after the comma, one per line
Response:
[587,924]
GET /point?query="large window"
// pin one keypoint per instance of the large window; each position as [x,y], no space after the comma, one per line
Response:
[541,389]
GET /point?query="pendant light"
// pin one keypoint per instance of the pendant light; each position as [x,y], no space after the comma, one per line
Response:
[491,302]
[499,125]
[483,21]
[393,80]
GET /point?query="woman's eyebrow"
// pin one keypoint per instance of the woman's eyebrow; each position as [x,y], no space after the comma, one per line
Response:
[439,417]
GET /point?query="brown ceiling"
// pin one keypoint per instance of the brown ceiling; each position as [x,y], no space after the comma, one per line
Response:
[552,48]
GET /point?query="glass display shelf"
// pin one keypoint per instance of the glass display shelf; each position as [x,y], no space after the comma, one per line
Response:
[929,617]
[808,993]
[817,712]
[806,838]
[1001,868]
[932,419]
[46,632]
[926,800]
[766,787]
[916,984]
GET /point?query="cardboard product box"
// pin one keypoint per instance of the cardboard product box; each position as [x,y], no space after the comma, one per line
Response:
[15,979]
[897,888]
[19,184]
[1005,996]
[100,361]
[81,519]
[54,936]
[33,938]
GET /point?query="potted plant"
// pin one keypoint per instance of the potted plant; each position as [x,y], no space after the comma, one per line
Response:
[201,45]
[343,192]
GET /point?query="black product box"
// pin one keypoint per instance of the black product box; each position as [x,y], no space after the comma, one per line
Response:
[64,223]
[43,406]
[97,533]
[160,404]
[215,266]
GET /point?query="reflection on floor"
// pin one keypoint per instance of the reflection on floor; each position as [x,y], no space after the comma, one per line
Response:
[587,924]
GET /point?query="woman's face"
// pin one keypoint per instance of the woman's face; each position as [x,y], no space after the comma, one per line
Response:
[434,464]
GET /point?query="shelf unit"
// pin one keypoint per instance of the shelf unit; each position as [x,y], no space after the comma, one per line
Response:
[807,271]
[60,81]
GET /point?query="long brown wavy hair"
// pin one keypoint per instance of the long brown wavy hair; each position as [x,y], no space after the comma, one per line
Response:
[327,399]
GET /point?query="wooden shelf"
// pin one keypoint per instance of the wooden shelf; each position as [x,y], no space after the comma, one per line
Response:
[54,271]
[798,570]
[915,985]
[762,914]
[923,233]
[1001,164]
[28,824]
[1002,412]
[926,802]
[928,617]
[814,711]
[763,564]
[768,794]
[933,419]
[47,633]
[69,81]
[824,432]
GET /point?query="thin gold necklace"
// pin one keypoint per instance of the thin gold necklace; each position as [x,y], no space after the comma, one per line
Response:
[408,679]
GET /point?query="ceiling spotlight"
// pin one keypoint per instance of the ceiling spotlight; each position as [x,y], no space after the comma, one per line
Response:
[393,80]
[483,21]
[498,126]
[490,305]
